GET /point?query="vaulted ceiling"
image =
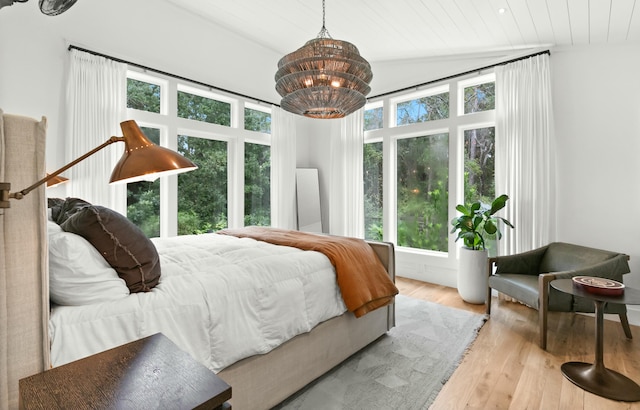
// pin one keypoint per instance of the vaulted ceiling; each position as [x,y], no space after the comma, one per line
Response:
[385,30]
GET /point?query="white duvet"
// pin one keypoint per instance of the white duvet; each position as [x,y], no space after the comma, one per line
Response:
[220,298]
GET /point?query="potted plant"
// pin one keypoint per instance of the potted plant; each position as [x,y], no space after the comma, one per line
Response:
[476,224]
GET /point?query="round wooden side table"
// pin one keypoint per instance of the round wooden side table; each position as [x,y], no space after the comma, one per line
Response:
[595,377]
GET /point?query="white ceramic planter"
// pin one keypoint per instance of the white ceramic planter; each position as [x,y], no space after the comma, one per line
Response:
[472,276]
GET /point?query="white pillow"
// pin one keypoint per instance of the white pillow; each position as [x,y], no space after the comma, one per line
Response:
[53,227]
[78,274]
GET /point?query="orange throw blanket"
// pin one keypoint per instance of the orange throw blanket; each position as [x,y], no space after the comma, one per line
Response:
[364,283]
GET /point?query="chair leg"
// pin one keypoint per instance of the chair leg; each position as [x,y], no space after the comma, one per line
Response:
[542,319]
[490,262]
[625,325]
[543,292]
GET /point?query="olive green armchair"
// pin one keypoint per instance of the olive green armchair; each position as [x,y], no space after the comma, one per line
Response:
[526,277]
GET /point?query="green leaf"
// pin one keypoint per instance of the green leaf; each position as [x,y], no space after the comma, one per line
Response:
[463,209]
[498,203]
[490,227]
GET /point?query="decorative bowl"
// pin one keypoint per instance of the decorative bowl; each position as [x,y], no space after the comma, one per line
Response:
[600,286]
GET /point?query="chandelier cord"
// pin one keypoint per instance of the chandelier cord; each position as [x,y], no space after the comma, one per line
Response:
[324,33]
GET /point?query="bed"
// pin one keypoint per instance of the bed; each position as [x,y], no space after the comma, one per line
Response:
[267,316]
[34,326]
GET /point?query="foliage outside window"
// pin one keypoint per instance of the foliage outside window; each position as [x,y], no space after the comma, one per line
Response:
[422,192]
[423,109]
[373,191]
[202,193]
[257,187]
[480,97]
[143,198]
[479,165]
[479,172]
[373,118]
[143,96]
[195,107]
[255,120]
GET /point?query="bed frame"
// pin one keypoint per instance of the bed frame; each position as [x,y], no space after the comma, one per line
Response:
[263,381]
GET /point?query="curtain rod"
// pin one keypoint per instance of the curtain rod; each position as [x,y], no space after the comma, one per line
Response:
[119,60]
[459,74]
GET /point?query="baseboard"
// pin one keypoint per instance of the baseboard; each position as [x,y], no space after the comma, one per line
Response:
[633,314]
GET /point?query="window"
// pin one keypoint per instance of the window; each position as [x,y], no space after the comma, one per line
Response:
[257,120]
[208,128]
[479,168]
[373,119]
[437,150]
[480,97]
[479,172]
[200,108]
[422,109]
[202,194]
[257,187]
[143,95]
[143,198]
[373,191]
[422,190]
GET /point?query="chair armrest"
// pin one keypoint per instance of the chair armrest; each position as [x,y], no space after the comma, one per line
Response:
[545,278]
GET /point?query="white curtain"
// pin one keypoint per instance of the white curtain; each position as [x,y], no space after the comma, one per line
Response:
[525,162]
[346,203]
[96,104]
[283,169]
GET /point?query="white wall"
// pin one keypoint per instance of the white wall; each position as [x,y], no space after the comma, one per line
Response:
[597,125]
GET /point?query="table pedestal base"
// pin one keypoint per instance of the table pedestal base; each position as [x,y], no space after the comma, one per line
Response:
[601,381]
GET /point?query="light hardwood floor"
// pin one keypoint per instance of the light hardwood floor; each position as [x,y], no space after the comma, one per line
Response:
[505,368]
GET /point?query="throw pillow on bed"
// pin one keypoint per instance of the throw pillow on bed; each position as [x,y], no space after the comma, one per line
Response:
[62,209]
[118,240]
[78,274]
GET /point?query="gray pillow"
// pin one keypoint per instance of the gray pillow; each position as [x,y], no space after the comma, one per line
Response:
[118,240]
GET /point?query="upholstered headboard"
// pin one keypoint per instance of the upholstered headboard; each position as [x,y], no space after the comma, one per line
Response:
[24,295]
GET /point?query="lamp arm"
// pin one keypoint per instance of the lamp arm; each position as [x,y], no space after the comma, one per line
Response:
[21,194]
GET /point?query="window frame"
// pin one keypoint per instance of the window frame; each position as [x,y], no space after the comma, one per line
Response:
[427,263]
[171,126]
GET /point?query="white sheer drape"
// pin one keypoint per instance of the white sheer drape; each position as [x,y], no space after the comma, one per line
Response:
[525,162]
[346,204]
[96,103]
[283,169]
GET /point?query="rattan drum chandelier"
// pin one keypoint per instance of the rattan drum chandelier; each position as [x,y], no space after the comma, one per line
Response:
[325,78]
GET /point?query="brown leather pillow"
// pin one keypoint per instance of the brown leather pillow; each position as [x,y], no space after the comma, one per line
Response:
[120,242]
[62,209]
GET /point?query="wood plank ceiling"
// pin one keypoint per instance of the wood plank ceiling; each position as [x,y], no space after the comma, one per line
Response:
[386,30]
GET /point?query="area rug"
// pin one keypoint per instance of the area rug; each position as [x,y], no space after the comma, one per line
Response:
[404,369]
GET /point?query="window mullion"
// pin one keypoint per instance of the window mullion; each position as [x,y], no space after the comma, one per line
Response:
[169,184]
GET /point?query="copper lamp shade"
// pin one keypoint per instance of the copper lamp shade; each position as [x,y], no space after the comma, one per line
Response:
[325,78]
[145,161]
[56,180]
